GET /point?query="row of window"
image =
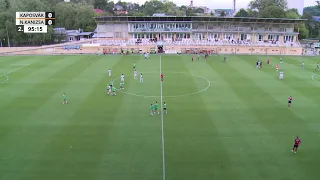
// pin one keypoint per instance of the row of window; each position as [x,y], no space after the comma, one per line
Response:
[207,26]
[160,25]
[211,36]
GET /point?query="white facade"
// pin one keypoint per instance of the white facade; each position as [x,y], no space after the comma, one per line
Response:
[297,4]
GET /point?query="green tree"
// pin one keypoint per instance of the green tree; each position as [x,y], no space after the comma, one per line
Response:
[172,9]
[253,13]
[242,13]
[199,10]
[100,4]
[292,14]
[272,11]
[260,5]
[311,25]
[303,31]
[313,10]
[75,16]
[153,6]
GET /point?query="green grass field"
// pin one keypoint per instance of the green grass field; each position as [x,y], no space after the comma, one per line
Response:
[225,121]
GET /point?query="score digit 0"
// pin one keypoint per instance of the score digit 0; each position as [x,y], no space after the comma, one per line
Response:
[50,22]
[20,28]
[50,18]
[50,15]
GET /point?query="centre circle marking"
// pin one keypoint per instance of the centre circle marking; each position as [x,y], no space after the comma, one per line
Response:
[312,77]
[182,95]
[6,78]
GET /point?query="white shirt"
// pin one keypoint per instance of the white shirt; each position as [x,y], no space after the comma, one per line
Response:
[135,73]
[281,72]
[140,75]
[122,76]
[109,71]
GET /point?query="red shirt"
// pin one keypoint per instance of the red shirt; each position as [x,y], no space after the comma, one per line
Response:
[161,75]
[297,141]
[290,99]
[277,66]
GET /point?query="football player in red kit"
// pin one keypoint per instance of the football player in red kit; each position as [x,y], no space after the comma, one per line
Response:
[297,142]
[161,77]
[268,61]
[289,101]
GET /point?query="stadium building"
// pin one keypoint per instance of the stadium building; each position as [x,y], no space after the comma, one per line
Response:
[172,35]
[214,34]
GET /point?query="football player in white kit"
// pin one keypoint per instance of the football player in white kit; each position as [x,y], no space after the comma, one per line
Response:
[122,78]
[302,64]
[141,78]
[281,75]
[109,72]
[135,74]
[109,89]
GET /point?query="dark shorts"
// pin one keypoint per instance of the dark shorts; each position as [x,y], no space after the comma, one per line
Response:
[134,67]
[164,108]
[289,102]
[295,146]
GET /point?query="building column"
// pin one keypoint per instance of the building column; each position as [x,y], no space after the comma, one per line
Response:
[281,39]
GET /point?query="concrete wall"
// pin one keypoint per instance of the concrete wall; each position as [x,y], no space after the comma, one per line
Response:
[99,49]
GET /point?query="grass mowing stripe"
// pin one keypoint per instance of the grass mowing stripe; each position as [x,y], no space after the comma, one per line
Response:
[12,96]
[192,140]
[9,60]
[70,127]
[132,144]
[296,86]
[286,115]
[41,108]
[26,78]
[265,96]
[114,138]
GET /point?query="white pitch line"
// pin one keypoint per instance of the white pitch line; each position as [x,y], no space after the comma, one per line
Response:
[175,96]
[7,78]
[6,74]
[312,77]
[162,128]
[17,69]
[19,64]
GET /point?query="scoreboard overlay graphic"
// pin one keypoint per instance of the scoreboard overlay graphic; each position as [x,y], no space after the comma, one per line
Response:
[34,22]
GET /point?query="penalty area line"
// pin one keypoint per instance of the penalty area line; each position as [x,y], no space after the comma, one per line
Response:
[7,74]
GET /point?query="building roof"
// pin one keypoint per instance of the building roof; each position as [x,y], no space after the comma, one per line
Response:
[100,35]
[316,18]
[98,11]
[79,34]
[198,19]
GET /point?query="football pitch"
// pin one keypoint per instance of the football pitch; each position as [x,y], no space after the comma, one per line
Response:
[225,121]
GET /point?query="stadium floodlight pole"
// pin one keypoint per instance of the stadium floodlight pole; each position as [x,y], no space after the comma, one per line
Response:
[7,37]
